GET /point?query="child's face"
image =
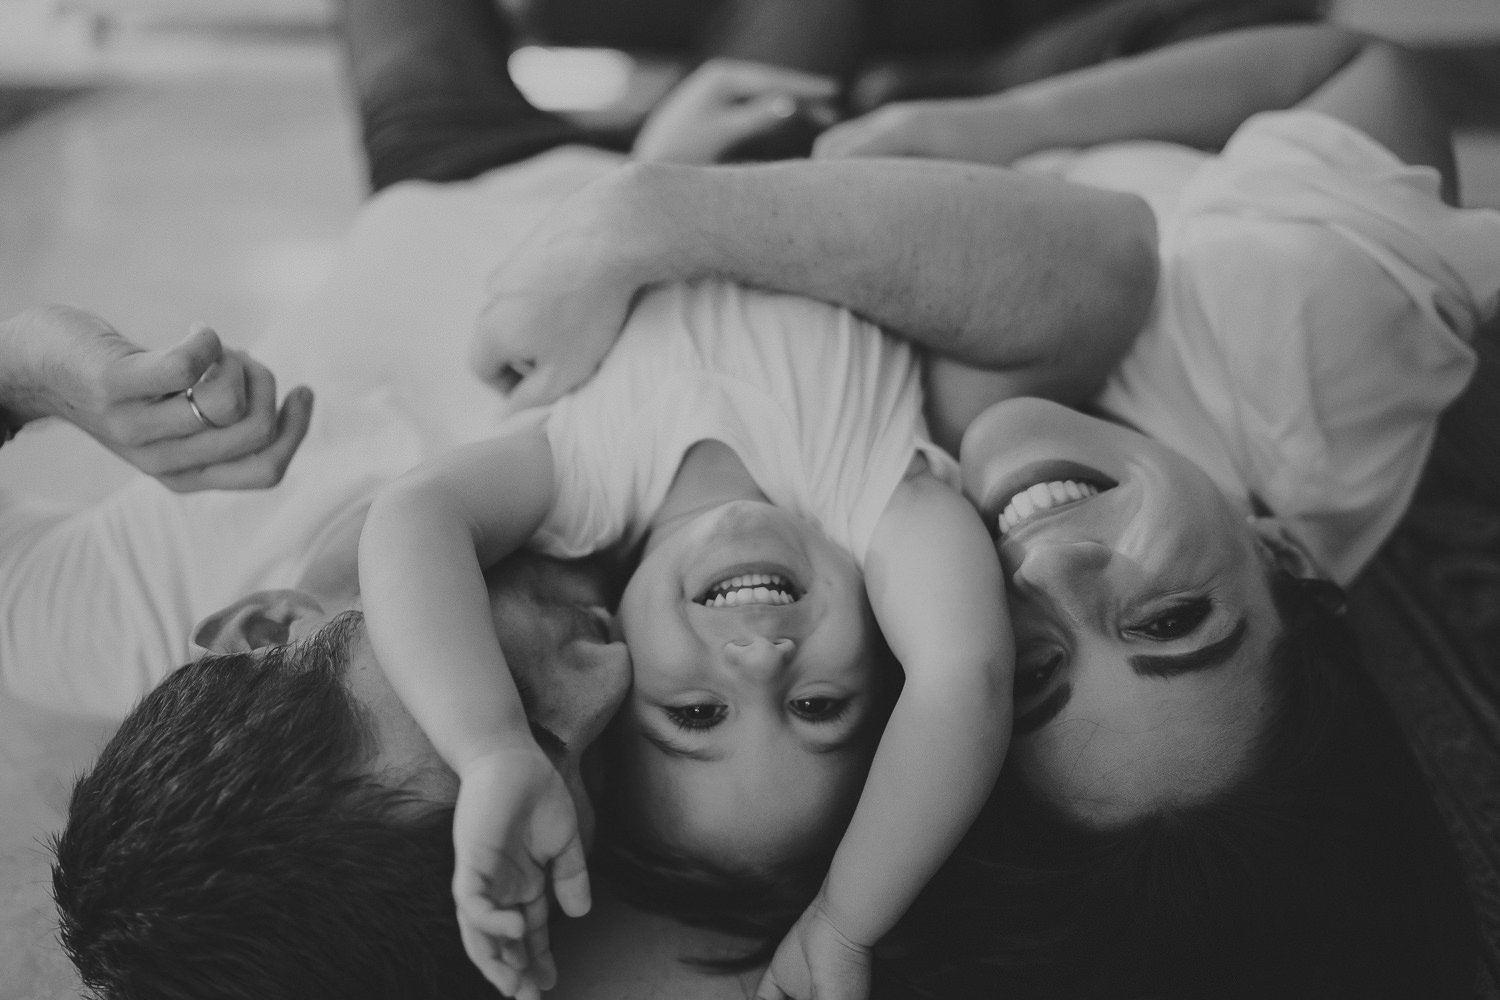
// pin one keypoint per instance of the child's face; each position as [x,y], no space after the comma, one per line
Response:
[745,736]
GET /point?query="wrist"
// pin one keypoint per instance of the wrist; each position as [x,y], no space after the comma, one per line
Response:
[846,926]
[479,754]
[22,396]
[648,208]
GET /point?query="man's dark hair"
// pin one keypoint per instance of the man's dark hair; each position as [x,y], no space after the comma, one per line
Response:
[229,843]
[1325,871]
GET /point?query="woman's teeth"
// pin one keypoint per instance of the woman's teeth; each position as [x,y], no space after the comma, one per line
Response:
[1043,496]
[750,588]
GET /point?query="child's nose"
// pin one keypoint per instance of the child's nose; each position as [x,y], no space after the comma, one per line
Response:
[759,657]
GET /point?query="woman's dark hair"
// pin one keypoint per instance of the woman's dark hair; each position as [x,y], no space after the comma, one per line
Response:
[1325,871]
[229,844]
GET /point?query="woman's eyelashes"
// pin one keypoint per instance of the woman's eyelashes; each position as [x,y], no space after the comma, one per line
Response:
[706,715]
[1035,668]
[1178,621]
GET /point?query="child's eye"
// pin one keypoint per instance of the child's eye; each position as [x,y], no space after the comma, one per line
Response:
[1180,620]
[819,709]
[702,716]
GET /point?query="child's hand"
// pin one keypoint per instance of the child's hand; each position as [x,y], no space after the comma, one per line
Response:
[815,962]
[514,830]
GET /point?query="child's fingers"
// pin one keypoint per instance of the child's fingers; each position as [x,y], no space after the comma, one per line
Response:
[481,951]
[768,990]
[538,943]
[570,879]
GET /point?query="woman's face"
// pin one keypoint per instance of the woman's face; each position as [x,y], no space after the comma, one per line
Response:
[1142,611]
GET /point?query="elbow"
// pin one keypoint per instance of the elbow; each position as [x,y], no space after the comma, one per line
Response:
[1125,267]
[1130,271]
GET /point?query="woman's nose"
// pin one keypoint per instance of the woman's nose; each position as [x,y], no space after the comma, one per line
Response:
[759,657]
[1055,569]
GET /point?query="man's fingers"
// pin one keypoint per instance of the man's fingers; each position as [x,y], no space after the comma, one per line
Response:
[257,430]
[262,469]
[145,374]
[222,393]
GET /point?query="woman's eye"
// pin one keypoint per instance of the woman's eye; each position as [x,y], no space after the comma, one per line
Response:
[1176,622]
[1034,671]
[702,716]
[819,709]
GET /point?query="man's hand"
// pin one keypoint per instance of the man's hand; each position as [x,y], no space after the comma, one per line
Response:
[64,362]
[514,833]
[725,103]
[815,962]
[557,304]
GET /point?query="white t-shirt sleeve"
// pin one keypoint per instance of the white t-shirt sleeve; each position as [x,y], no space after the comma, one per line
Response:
[97,602]
[824,411]
[1312,321]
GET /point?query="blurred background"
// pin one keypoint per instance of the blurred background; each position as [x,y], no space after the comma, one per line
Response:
[166,161]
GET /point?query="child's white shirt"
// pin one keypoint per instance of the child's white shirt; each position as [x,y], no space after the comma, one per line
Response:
[823,409]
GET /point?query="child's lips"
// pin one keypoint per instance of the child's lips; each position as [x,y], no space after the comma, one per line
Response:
[772,589]
[759,584]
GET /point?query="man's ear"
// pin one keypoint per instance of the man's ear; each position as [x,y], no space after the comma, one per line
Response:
[265,618]
[1284,550]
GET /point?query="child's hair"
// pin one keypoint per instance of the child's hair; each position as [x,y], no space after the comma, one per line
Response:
[1325,871]
[228,844]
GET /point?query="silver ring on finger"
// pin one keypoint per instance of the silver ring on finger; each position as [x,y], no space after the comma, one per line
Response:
[208,424]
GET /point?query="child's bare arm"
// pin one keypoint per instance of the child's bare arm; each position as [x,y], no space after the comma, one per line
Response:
[937,591]
[422,554]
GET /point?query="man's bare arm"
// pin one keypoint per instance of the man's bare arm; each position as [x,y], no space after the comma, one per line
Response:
[995,268]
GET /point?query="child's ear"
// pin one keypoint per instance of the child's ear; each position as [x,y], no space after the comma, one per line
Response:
[265,618]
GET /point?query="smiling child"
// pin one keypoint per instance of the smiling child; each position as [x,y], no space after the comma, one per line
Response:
[766,460]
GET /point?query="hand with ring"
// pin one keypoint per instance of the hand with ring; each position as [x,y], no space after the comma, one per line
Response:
[195,416]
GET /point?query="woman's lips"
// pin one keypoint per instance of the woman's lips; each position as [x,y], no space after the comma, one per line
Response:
[1039,488]
[1041,497]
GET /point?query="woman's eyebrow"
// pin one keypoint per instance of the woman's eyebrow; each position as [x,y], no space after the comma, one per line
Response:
[1043,711]
[1162,665]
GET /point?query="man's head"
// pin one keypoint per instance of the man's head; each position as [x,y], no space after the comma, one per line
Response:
[270,822]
